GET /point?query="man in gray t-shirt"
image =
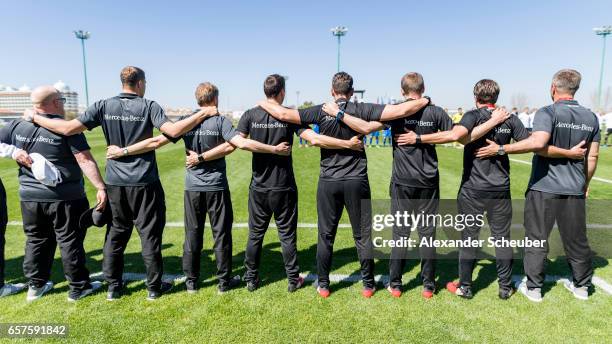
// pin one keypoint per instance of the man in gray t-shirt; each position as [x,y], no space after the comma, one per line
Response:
[206,187]
[558,185]
[51,210]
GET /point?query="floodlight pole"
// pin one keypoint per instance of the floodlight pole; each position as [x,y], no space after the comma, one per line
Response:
[603,31]
[83,35]
[339,31]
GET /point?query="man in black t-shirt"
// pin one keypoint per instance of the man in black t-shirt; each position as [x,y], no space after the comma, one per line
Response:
[343,181]
[414,179]
[558,185]
[206,187]
[273,190]
[51,208]
[136,196]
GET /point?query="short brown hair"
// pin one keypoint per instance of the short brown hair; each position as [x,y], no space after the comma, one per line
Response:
[413,82]
[131,75]
[206,93]
[274,85]
[486,91]
[342,83]
[567,80]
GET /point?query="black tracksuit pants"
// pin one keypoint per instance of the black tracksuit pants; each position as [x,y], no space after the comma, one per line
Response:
[541,211]
[46,225]
[262,205]
[145,208]
[218,205]
[498,206]
[413,200]
[3,223]
[332,197]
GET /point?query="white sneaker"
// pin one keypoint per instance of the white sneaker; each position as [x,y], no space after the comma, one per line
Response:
[581,293]
[10,289]
[95,285]
[534,294]
[36,293]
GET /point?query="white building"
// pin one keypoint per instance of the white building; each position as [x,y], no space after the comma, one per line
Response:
[17,100]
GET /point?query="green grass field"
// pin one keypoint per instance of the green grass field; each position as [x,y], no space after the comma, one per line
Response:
[270,313]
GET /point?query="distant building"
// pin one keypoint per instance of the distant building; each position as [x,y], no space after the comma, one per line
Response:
[17,100]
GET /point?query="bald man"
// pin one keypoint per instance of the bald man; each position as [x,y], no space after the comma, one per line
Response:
[51,211]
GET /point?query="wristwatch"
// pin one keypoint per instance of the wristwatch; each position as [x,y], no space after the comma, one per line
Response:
[418,139]
[501,150]
[201,158]
[339,116]
[125,151]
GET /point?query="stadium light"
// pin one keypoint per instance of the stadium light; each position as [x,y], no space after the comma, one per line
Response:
[83,35]
[339,31]
[603,32]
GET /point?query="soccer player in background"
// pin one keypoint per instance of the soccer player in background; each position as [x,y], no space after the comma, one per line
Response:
[558,185]
[135,193]
[343,181]
[273,191]
[387,137]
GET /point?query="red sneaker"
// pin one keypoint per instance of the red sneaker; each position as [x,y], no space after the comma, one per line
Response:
[367,292]
[428,294]
[324,292]
[452,287]
[395,292]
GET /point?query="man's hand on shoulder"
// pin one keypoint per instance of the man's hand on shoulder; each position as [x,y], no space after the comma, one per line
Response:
[331,108]
[500,115]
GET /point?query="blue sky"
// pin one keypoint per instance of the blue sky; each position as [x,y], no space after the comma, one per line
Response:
[236,44]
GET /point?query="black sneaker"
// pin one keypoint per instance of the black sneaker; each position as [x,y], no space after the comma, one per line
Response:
[192,286]
[156,294]
[74,296]
[227,286]
[252,285]
[505,294]
[460,290]
[295,286]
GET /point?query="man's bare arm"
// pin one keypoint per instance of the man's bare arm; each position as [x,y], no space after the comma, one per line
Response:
[498,116]
[457,133]
[56,125]
[215,153]
[535,142]
[88,165]
[328,142]
[280,112]
[577,152]
[178,128]
[257,147]
[404,109]
[114,152]
[359,125]
[590,164]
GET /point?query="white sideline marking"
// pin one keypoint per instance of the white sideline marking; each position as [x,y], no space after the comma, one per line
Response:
[310,277]
[594,178]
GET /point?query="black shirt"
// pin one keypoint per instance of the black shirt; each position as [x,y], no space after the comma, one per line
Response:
[341,164]
[270,171]
[417,165]
[490,174]
[58,150]
[568,123]
[127,119]
[209,175]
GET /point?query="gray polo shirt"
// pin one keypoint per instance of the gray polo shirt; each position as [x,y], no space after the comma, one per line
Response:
[127,119]
[568,123]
